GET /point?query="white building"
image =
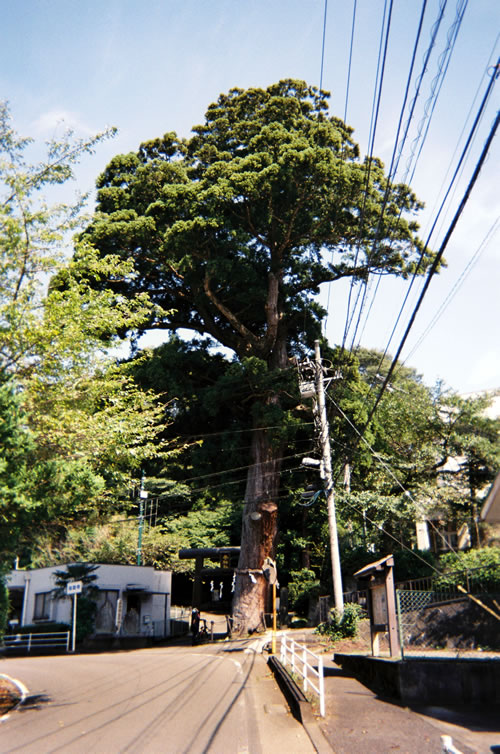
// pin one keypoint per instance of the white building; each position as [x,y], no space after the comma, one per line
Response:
[132,600]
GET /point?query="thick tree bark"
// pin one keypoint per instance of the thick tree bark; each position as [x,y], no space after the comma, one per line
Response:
[260,521]
[259,532]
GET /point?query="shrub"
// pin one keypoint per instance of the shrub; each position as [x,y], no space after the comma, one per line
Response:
[85,617]
[483,563]
[408,564]
[342,626]
[303,587]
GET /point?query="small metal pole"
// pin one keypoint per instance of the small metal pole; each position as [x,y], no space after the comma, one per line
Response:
[400,624]
[273,643]
[321,688]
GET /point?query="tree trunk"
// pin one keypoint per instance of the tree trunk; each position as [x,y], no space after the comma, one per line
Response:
[259,533]
[260,520]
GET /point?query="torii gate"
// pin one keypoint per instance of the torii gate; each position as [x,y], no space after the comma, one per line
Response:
[222,554]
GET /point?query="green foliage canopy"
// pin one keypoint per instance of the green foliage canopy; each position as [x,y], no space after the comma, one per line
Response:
[228,229]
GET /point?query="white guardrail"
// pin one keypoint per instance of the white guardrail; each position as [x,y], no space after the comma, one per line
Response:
[37,641]
[296,656]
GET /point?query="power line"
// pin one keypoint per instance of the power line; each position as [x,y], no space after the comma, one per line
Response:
[323,47]
[377,92]
[437,82]
[436,262]
[237,431]
[454,290]
[350,60]
[439,255]
[393,170]
[393,167]
[345,120]
[385,466]
[469,114]
[434,31]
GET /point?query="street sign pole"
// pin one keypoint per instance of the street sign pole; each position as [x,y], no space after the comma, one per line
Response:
[73,638]
[74,588]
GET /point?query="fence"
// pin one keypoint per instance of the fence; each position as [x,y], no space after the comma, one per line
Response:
[29,642]
[439,620]
[295,655]
[479,580]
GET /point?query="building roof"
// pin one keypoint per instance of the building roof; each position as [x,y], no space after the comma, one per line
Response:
[491,509]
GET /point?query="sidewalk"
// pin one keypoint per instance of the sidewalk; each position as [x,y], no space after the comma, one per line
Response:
[358,720]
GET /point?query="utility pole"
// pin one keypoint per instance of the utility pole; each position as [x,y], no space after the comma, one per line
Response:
[330,494]
[142,496]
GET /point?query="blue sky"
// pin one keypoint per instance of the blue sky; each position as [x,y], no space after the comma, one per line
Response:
[149,67]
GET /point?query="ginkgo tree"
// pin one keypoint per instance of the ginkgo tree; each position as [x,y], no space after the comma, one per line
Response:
[231,232]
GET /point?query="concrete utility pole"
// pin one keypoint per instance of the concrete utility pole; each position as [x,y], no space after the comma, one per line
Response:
[330,494]
[142,497]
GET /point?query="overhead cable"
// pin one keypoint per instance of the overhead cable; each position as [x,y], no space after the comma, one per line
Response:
[323,47]
[437,82]
[350,60]
[384,37]
[436,262]
[392,168]
[463,156]
[374,453]
[454,290]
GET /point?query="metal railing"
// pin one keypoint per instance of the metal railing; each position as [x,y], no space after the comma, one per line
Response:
[296,656]
[474,580]
[28,642]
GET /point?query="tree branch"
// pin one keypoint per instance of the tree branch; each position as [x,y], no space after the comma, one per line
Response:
[240,328]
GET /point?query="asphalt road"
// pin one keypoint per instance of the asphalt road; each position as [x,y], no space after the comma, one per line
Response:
[168,699]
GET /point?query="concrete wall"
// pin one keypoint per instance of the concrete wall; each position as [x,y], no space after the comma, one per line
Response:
[423,680]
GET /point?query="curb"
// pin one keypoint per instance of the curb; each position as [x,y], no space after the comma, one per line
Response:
[299,706]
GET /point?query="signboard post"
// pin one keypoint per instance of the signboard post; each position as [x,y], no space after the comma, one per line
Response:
[381,603]
[74,588]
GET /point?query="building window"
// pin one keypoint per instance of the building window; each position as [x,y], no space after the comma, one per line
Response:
[42,606]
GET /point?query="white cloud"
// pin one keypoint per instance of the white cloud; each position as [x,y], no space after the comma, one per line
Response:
[486,372]
[57,121]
